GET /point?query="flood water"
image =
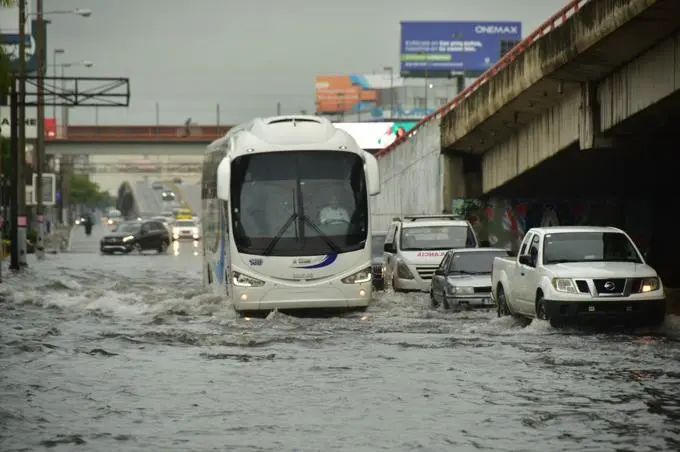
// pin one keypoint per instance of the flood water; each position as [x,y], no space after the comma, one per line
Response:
[126,353]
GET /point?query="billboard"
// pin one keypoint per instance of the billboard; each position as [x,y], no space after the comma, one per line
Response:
[30,122]
[343,93]
[10,46]
[50,128]
[9,18]
[375,135]
[445,49]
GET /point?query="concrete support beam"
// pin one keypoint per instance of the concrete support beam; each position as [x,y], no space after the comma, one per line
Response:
[461,178]
[643,82]
[556,129]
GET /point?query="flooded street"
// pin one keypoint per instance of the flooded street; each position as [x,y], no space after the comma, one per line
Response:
[126,353]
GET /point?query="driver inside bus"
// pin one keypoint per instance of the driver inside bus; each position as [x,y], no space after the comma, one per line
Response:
[333,213]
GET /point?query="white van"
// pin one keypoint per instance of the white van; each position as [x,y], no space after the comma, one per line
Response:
[416,244]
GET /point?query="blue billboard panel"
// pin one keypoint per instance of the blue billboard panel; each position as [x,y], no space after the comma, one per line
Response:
[10,47]
[443,49]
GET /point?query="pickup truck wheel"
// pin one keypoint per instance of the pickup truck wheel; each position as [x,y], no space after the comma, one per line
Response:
[541,313]
[503,309]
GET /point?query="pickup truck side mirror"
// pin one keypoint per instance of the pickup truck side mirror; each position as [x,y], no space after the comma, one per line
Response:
[388,247]
[525,259]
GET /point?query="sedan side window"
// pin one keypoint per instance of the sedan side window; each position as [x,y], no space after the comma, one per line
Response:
[533,251]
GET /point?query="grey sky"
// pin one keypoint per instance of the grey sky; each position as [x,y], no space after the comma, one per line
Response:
[245,55]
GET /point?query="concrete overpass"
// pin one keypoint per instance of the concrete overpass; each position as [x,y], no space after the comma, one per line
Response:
[582,112]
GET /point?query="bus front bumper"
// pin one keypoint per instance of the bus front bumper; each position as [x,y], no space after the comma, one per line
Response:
[269,298]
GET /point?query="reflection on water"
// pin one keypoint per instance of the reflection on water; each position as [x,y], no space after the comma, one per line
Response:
[118,354]
[186,248]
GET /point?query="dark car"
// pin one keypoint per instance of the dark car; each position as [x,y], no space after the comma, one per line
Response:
[377,243]
[167,195]
[136,236]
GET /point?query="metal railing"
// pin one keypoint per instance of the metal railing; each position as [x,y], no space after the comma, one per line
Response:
[553,22]
[138,133]
[161,168]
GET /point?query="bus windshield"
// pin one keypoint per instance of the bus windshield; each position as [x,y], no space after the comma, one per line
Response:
[299,203]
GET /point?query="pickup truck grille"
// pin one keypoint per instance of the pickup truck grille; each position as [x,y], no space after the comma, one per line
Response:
[610,286]
[426,272]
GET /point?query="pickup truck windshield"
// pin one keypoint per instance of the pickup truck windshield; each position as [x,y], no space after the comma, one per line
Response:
[565,247]
[421,238]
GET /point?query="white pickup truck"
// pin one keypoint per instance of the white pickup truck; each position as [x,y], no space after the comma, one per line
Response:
[568,272]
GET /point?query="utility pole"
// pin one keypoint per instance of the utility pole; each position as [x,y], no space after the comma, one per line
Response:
[19,220]
[217,117]
[40,142]
[278,109]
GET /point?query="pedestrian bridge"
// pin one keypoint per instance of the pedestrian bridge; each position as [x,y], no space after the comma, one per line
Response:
[580,117]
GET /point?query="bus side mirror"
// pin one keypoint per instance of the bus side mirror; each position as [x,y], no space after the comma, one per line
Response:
[372,173]
[224,179]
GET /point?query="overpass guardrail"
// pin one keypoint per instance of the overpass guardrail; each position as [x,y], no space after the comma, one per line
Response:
[114,133]
[553,22]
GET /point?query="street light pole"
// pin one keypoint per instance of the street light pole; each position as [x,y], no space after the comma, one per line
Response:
[390,69]
[40,139]
[54,74]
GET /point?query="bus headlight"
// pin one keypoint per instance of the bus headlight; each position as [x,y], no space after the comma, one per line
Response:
[359,277]
[242,280]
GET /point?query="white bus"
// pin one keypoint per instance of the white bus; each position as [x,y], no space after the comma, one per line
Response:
[286,216]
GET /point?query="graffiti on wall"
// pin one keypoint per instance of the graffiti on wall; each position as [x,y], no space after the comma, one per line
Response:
[503,222]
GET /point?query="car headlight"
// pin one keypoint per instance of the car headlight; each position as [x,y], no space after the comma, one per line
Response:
[565,285]
[242,280]
[110,221]
[650,285]
[128,238]
[403,271]
[458,290]
[362,276]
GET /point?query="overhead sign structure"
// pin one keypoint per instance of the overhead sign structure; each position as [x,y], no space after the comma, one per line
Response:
[31,122]
[446,49]
[375,135]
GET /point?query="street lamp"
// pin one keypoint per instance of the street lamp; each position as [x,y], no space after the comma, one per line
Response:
[390,70]
[82,12]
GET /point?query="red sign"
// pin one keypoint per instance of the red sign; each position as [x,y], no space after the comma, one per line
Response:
[430,253]
[50,128]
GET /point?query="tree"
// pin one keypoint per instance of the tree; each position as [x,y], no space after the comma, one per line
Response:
[84,191]
[5,64]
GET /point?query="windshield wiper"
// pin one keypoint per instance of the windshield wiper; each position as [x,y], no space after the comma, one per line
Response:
[331,244]
[267,251]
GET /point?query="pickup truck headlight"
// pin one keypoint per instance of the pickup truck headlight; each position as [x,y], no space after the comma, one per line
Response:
[242,280]
[359,277]
[128,238]
[457,290]
[649,285]
[403,272]
[564,285]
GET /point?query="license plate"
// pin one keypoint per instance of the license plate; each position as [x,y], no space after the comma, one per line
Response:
[486,301]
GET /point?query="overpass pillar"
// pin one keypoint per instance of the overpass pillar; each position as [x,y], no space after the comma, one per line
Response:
[461,177]
[590,120]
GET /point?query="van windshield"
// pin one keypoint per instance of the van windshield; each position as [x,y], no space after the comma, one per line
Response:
[420,238]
